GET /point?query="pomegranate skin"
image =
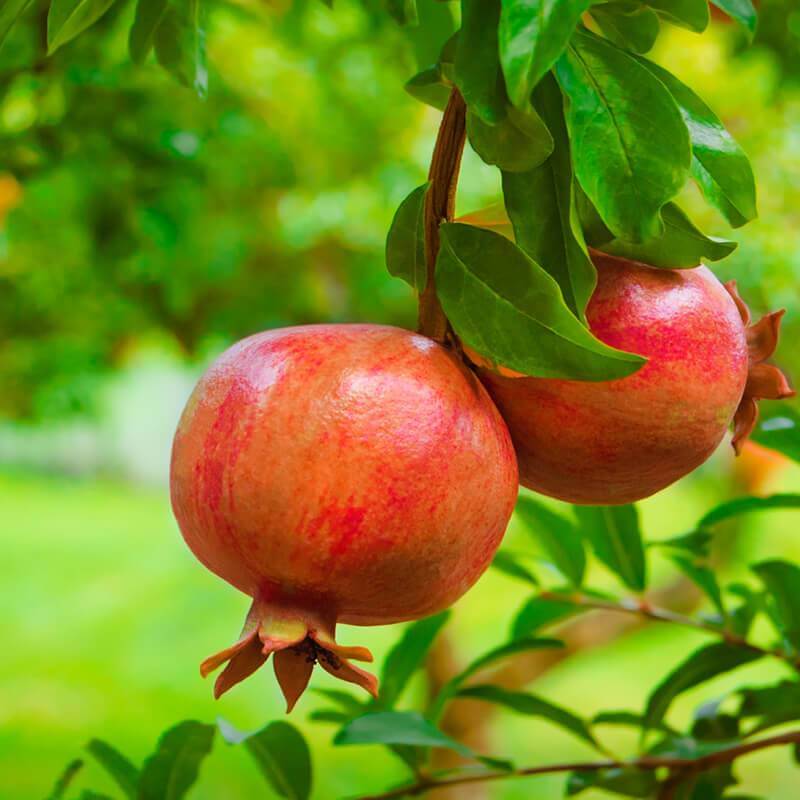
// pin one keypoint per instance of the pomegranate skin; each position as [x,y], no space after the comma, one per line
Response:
[352,473]
[618,441]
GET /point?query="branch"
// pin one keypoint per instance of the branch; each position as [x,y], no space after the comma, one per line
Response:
[440,206]
[645,763]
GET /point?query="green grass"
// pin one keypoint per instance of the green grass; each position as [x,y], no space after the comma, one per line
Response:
[107,615]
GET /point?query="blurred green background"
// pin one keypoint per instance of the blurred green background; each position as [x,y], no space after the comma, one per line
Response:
[143,230]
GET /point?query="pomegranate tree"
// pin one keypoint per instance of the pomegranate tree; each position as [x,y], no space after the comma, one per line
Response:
[338,473]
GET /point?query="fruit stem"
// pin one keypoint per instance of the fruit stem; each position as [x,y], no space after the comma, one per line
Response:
[440,204]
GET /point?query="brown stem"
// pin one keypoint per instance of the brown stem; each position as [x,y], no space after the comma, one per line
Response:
[440,206]
[646,763]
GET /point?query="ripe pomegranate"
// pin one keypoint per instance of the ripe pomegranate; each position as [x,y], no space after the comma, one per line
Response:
[338,473]
[618,441]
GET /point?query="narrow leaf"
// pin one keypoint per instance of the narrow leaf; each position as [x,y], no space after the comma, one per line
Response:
[538,613]
[170,772]
[703,577]
[779,429]
[65,779]
[507,308]
[542,209]
[616,540]
[511,564]
[149,14]
[629,164]
[118,766]
[68,18]
[704,664]
[697,543]
[626,781]
[10,12]
[747,505]
[405,243]
[180,44]
[532,35]
[557,534]
[782,581]
[629,25]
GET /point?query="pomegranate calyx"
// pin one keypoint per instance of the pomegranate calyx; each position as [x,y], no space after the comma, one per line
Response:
[764,381]
[298,638]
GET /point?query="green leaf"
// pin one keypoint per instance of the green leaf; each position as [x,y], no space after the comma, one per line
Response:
[531,706]
[118,766]
[629,25]
[704,664]
[511,564]
[477,65]
[628,719]
[742,616]
[532,35]
[629,164]
[180,43]
[403,728]
[281,753]
[743,11]
[10,12]
[507,308]
[696,543]
[779,429]
[451,688]
[719,165]
[405,243]
[170,772]
[626,781]
[782,581]
[344,700]
[515,142]
[747,505]
[616,540]
[770,705]
[68,18]
[404,12]
[407,656]
[542,209]
[538,613]
[430,87]
[703,577]
[681,244]
[558,536]
[65,779]
[149,14]
[690,14]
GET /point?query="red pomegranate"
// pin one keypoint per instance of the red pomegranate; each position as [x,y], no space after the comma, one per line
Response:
[338,473]
[618,441]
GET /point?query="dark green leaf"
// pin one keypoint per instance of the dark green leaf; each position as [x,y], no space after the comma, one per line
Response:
[704,664]
[769,706]
[779,429]
[628,719]
[118,766]
[741,617]
[539,612]
[180,43]
[558,536]
[542,209]
[330,715]
[88,794]
[477,65]
[719,165]
[704,577]
[516,141]
[742,11]
[68,18]
[711,724]
[281,753]
[170,772]
[532,706]
[697,543]
[10,12]
[681,244]
[149,14]
[626,781]
[405,243]
[532,35]
[404,12]
[65,779]
[690,14]
[629,25]
[507,308]
[782,581]
[430,87]
[511,564]
[344,700]
[629,164]
[616,540]
[746,505]
[407,656]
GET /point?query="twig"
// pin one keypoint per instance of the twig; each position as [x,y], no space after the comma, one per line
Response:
[440,206]
[645,763]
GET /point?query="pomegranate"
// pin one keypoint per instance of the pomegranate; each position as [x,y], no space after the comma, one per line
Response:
[618,441]
[338,473]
